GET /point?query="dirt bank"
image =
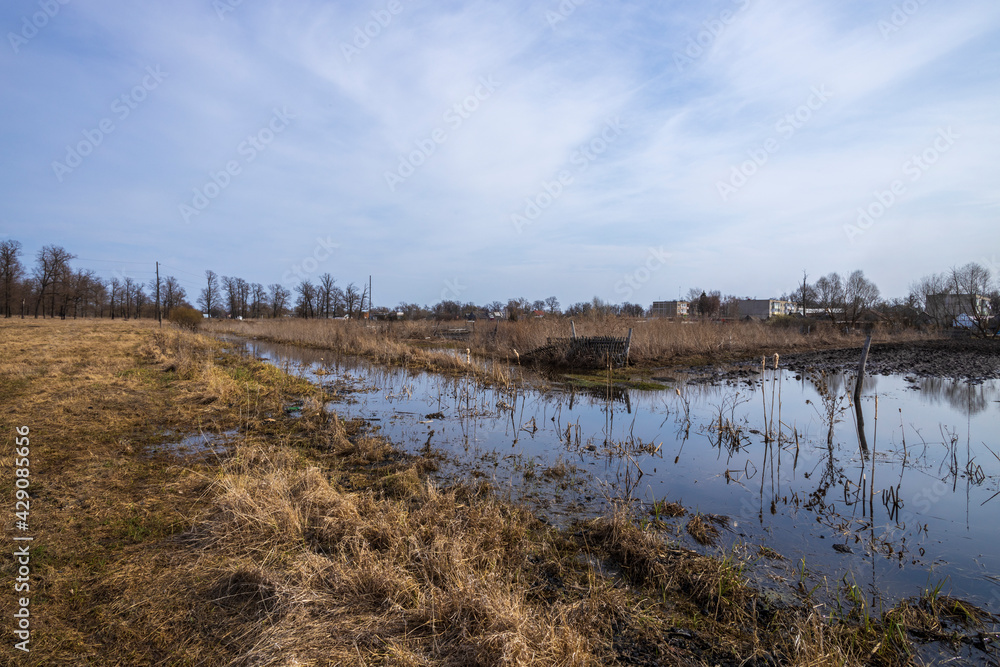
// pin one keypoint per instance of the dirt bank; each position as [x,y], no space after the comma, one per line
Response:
[971,360]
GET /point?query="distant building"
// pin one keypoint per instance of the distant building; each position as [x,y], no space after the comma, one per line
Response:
[948,307]
[763,309]
[671,309]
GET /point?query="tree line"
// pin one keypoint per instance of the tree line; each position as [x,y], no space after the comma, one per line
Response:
[53,288]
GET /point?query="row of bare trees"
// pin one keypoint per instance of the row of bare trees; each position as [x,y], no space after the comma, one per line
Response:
[230,296]
[52,288]
[326,299]
[938,298]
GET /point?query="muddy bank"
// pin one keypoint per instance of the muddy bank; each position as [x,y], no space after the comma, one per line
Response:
[971,360]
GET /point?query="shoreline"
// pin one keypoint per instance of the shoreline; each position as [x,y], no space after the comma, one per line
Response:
[310,534]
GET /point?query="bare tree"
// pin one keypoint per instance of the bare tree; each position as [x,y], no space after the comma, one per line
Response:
[231,294]
[325,295]
[306,304]
[694,294]
[209,299]
[115,295]
[447,310]
[351,297]
[140,299]
[338,299]
[970,285]
[52,262]
[11,272]
[830,295]
[129,288]
[80,290]
[243,294]
[517,308]
[173,295]
[278,299]
[553,305]
[258,299]
[860,296]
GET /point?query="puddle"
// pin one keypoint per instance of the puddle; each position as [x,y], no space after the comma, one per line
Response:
[196,445]
[783,459]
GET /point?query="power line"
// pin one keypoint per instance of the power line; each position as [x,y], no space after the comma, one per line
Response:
[110,261]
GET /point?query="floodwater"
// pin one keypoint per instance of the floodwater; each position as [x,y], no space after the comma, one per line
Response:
[905,504]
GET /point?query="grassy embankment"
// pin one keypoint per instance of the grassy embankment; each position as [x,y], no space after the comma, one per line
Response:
[493,347]
[312,542]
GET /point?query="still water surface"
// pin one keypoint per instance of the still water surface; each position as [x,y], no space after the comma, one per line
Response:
[780,455]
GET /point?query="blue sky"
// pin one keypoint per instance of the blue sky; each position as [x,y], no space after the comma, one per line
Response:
[485,150]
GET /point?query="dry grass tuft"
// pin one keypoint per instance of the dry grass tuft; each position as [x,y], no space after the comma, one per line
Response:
[703,531]
[670,510]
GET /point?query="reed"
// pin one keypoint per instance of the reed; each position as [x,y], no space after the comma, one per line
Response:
[654,343]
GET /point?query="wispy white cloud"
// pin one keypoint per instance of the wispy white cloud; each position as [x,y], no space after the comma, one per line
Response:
[363,104]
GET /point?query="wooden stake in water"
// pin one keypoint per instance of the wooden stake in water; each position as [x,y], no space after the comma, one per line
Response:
[861,368]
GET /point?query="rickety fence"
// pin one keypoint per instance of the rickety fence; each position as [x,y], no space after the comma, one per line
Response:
[600,350]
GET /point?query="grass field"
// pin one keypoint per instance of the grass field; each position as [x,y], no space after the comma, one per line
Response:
[655,343]
[313,542]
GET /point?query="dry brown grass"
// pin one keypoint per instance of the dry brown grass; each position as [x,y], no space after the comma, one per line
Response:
[312,543]
[654,342]
[703,530]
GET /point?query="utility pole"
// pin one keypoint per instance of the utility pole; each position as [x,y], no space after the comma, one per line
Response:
[804,276]
[158,317]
